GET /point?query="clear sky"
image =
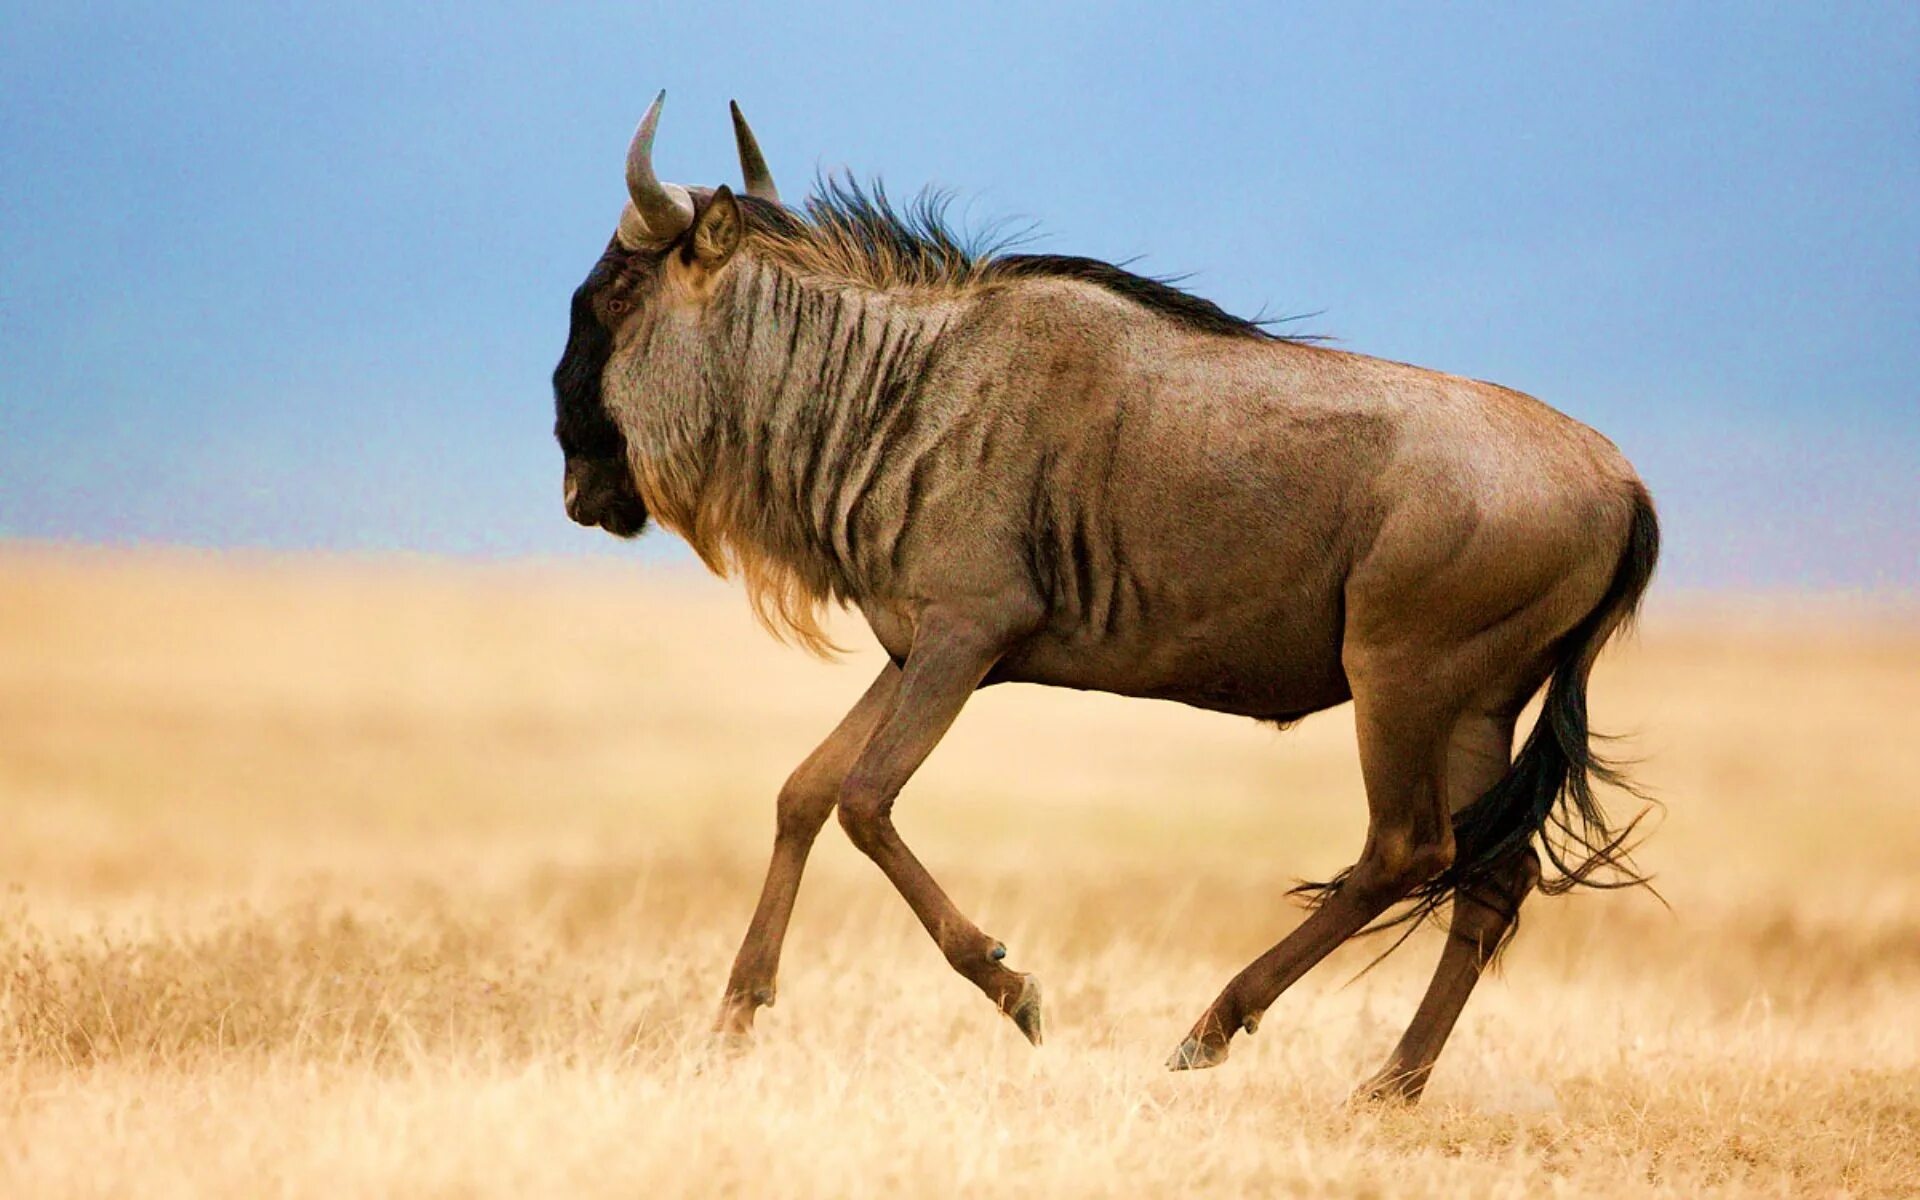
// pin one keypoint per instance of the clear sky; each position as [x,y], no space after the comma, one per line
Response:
[296,275]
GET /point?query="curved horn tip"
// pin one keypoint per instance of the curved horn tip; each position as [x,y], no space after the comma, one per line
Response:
[753,164]
[666,210]
[650,119]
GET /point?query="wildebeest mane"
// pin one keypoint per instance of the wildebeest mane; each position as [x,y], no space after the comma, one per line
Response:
[858,233]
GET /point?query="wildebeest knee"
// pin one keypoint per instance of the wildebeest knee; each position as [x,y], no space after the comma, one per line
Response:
[805,800]
[863,814]
[1396,863]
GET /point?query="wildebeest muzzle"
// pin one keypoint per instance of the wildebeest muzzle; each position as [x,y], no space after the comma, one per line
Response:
[600,491]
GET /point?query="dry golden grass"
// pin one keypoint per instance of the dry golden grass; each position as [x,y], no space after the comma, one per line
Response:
[343,879]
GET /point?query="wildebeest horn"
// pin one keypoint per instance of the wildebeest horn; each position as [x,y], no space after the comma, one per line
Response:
[665,208]
[753,164]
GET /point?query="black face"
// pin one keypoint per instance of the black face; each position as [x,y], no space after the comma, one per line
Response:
[599,484]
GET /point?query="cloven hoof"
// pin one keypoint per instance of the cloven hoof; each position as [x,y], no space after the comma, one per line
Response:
[1025,1012]
[1389,1087]
[1196,1055]
[732,1039]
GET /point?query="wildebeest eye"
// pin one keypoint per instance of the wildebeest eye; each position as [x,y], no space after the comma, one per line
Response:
[616,307]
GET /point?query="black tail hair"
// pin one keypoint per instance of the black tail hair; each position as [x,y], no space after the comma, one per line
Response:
[1548,791]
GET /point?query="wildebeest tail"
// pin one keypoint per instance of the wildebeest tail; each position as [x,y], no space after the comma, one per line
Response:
[1547,795]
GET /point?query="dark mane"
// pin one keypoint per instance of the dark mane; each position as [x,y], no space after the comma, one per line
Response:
[1160,295]
[856,230]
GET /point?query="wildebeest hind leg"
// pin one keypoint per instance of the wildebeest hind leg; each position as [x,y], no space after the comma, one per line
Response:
[947,662]
[1403,745]
[1479,923]
[1478,757]
[805,800]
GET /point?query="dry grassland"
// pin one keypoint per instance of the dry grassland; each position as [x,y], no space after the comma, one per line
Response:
[341,879]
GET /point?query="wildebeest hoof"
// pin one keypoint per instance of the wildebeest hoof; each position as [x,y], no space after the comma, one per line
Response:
[1388,1087]
[735,1024]
[1196,1055]
[1025,1009]
[734,1042]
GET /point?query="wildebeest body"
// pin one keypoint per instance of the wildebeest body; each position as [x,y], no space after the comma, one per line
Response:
[1186,514]
[1046,469]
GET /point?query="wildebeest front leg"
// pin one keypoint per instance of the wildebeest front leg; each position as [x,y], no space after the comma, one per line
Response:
[947,662]
[805,800]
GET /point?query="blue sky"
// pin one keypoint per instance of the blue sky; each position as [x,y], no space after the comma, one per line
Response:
[295,276]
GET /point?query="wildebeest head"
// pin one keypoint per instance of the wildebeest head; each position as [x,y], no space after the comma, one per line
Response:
[670,239]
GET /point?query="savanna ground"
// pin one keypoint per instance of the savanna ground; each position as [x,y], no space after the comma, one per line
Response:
[332,878]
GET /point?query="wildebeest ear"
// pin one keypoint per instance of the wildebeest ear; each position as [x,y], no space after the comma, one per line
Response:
[716,231]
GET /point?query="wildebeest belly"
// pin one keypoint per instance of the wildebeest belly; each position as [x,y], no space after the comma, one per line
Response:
[1274,665]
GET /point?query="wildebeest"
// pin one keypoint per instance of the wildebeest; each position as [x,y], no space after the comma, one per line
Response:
[1048,469]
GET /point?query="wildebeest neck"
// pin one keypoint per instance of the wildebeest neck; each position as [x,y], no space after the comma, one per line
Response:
[828,403]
